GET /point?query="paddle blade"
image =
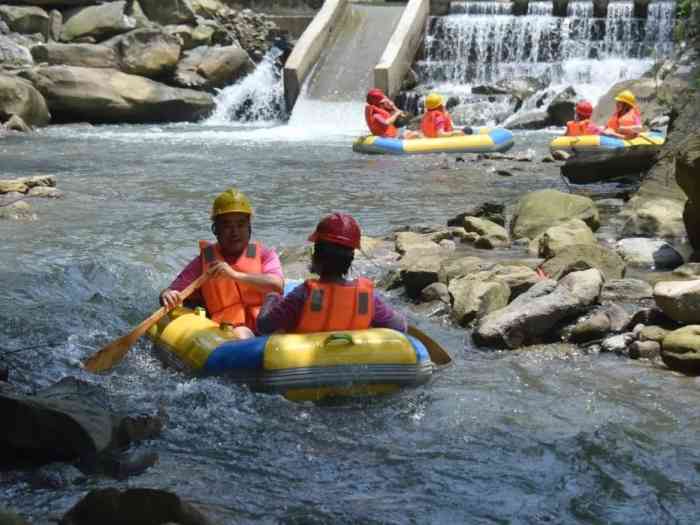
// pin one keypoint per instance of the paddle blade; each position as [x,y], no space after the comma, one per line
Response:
[109,355]
[438,354]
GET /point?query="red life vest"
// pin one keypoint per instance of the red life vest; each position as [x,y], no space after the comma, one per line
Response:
[576,128]
[633,117]
[331,307]
[428,124]
[377,128]
[226,300]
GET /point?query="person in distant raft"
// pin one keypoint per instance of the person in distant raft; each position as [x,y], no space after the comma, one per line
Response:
[381,114]
[582,123]
[241,271]
[436,121]
[331,302]
[626,122]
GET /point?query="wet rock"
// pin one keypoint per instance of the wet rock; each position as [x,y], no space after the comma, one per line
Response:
[411,241]
[679,300]
[184,33]
[56,476]
[560,237]
[24,184]
[495,233]
[123,465]
[654,218]
[78,94]
[688,271]
[536,119]
[169,11]
[619,317]
[582,257]
[590,328]
[98,21]
[45,192]
[454,268]
[491,211]
[474,298]
[561,109]
[212,67]
[55,25]
[27,20]
[142,506]
[626,290]
[652,333]
[649,253]
[650,316]
[617,343]
[19,97]
[435,292]
[687,166]
[15,123]
[79,55]
[418,269]
[680,350]
[537,211]
[14,54]
[532,315]
[560,155]
[644,349]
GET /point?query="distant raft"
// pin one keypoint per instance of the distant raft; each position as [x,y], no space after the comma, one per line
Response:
[483,140]
[651,139]
[298,366]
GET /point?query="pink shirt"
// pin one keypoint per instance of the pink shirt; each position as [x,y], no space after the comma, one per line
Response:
[270,265]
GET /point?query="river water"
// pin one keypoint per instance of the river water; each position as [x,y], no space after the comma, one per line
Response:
[544,435]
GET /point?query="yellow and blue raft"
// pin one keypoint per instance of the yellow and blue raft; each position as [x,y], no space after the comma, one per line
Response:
[298,366]
[605,143]
[483,140]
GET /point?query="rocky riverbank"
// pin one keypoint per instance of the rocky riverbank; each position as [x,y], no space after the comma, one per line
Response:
[136,61]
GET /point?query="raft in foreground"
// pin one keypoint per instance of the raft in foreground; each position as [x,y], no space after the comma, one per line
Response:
[298,366]
[483,140]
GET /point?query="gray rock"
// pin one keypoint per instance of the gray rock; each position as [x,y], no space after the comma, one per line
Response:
[679,300]
[649,253]
[561,109]
[474,298]
[559,238]
[654,217]
[590,328]
[652,333]
[13,54]
[55,25]
[169,11]
[688,271]
[45,192]
[584,256]
[532,315]
[680,350]
[407,241]
[98,21]
[491,211]
[435,292]
[617,343]
[454,268]
[213,67]
[494,233]
[149,52]
[15,123]
[644,349]
[535,119]
[419,269]
[27,20]
[626,290]
[79,55]
[19,97]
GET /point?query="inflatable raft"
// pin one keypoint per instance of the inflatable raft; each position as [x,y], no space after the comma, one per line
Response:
[651,139]
[298,366]
[484,140]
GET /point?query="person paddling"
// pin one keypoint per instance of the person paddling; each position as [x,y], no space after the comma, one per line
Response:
[331,302]
[582,123]
[381,115]
[241,271]
[436,121]
[626,122]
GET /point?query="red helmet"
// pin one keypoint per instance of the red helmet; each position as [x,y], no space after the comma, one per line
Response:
[338,228]
[375,96]
[584,108]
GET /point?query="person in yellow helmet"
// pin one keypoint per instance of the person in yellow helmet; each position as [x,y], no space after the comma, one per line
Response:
[626,122]
[241,271]
[436,121]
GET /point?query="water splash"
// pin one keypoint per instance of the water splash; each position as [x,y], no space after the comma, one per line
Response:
[258,98]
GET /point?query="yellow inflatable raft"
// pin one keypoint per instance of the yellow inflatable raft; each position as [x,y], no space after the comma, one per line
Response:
[483,140]
[298,366]
[605,143]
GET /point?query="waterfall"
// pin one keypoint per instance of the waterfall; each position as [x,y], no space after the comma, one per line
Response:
[481,42]
[258,98]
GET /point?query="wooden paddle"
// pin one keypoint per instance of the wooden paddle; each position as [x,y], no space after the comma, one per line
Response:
[438,354]
[115,351]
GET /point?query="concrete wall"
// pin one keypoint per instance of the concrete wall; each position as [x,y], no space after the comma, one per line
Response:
[401,49]
[309,47]
[292,25]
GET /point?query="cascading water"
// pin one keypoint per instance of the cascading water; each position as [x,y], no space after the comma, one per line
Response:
[258,98]
[481,43]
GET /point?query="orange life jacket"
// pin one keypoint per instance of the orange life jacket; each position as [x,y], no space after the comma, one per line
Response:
[633,117]
[428,124]
[376,127]
[226,300]
[576,128]
[330,306]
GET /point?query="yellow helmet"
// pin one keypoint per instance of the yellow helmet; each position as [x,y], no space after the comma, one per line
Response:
[433,101]
[231,201]
[627,97]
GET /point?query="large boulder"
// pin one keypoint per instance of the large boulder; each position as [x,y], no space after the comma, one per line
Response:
[558,238]
[97,21]
[418,269]
[494,233]
[169,11]
[680,350]
[80,55]
[213,67]
[534,119]
[649,253]
[19,97]
[79,94]
[474,298]
[14,54]
[532,316]
[561,109]
[27,20]
[679,300]
[687,169]
[149,52]
[654,218]
[579,257]
[456,267]
[626,291]
[537,211]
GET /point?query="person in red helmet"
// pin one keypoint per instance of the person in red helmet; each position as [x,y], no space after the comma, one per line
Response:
[381,114]
[582,125]
[331,302]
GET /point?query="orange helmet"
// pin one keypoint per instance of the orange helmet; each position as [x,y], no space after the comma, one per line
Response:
[375,96]
[338,228]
